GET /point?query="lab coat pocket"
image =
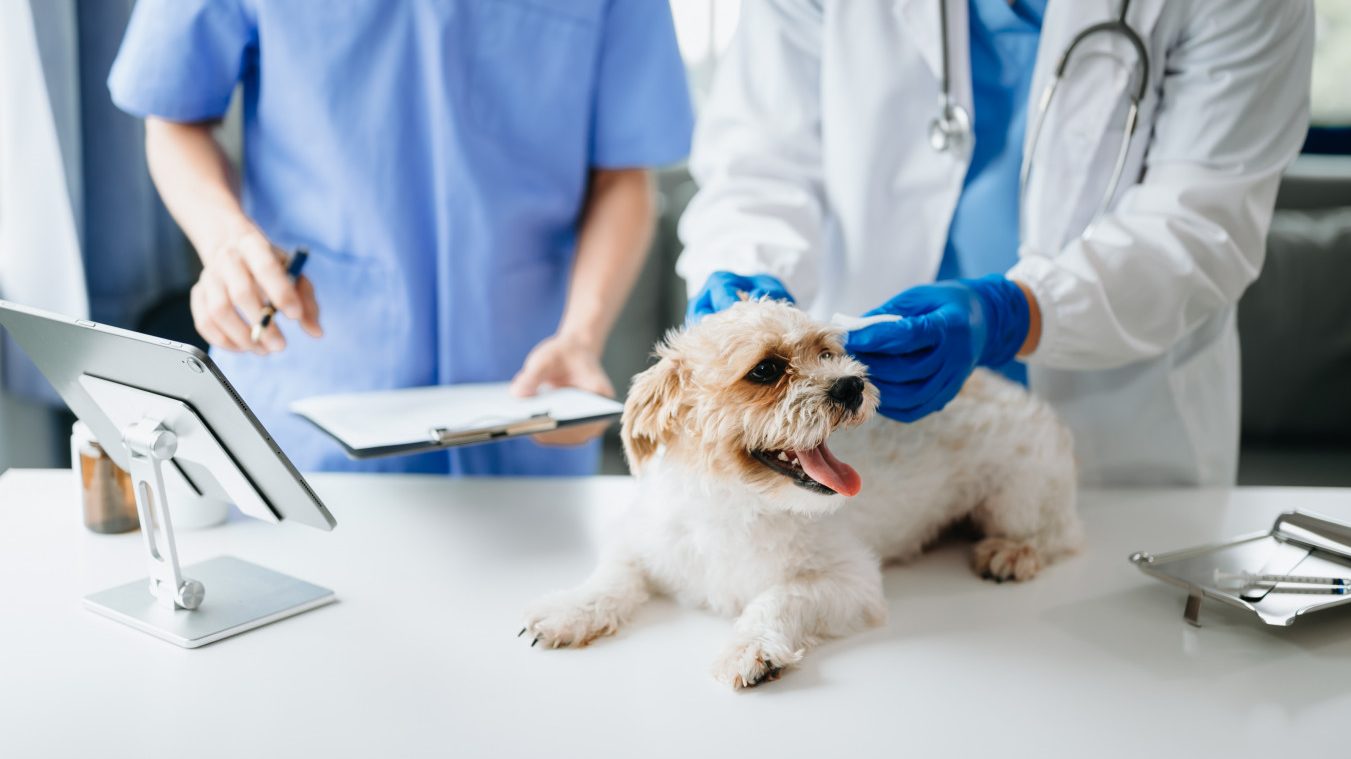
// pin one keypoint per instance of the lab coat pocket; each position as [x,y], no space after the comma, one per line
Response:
[530,73]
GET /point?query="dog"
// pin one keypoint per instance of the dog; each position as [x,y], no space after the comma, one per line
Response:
[744,509]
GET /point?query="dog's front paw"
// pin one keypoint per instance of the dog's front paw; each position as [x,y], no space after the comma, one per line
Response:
[747,663]
[565,619]
[1001,559]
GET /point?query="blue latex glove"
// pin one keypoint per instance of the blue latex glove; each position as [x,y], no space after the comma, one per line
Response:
[724,289]
[920,362]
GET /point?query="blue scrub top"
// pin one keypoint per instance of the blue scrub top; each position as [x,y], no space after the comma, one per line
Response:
[983,235]
[434,155]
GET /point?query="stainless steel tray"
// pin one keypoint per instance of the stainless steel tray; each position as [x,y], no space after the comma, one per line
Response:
[1316,545]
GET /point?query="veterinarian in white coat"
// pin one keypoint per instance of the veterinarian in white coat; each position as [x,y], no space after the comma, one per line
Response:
[816,168]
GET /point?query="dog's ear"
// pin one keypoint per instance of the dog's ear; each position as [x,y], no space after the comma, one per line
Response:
[650,410]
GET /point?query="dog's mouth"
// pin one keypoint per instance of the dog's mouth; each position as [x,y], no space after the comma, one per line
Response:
[815,469]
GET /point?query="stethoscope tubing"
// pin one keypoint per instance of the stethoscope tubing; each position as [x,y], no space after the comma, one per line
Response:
[952,127]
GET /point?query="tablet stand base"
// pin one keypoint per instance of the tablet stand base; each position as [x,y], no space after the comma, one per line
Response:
[242,596]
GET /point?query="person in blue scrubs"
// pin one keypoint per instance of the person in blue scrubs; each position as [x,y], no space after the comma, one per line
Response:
[470,177]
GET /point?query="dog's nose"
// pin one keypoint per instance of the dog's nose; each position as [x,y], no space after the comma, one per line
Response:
[848,392]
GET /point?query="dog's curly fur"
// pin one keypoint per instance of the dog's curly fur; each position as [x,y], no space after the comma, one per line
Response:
[716,527]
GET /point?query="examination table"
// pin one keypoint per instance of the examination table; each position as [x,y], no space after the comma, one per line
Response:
[420,656]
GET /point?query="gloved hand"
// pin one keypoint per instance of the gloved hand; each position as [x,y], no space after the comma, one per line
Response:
[724,289]
[920,362]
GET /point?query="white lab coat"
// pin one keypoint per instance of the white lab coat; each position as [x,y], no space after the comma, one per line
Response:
[814,165]
[40,261]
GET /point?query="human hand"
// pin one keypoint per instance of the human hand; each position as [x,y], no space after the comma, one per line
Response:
[724,289]
[564,361]
[920,361]
[239,276]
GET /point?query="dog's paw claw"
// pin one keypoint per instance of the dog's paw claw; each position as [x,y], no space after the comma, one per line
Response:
[1001,559]
[562,622]
[746,665]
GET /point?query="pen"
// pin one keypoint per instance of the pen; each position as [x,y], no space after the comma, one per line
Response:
[293,268]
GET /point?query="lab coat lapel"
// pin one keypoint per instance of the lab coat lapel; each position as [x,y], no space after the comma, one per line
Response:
[919,24]
[1082,131]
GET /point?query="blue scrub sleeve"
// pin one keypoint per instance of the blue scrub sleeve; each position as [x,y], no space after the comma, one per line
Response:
[181,59]
[643,115]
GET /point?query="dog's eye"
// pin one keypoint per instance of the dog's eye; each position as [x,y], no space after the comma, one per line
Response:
[827,355]
[767,371]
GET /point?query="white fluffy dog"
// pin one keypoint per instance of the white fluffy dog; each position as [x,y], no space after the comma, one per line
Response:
[744,510]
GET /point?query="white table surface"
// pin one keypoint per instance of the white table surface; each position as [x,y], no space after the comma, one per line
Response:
[419,657]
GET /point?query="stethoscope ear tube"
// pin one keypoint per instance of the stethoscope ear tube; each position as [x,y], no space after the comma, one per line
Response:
[1025,172]
[1117,169]
[1111,27]
[1044,106]
[951,129]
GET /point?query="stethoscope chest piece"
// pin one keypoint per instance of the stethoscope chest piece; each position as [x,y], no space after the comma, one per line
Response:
[950,130]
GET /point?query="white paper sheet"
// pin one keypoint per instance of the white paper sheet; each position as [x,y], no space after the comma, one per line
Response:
[401,417]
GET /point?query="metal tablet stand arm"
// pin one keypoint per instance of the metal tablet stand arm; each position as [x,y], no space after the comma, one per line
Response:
[149,444]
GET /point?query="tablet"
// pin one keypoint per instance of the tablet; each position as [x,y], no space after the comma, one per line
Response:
[68,350]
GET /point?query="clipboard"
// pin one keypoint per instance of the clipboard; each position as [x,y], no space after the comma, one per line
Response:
[415,420]
[1315,545]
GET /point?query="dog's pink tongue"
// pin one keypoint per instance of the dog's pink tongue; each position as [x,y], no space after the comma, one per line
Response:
[823,467]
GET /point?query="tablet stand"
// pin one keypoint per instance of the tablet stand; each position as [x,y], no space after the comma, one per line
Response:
[149,445]
[195,605]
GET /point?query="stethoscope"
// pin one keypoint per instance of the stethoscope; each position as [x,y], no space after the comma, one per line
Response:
[951,130]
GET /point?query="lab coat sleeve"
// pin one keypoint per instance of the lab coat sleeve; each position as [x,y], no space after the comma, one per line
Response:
[643,115]
[180,59]
[757,154]
[1184,243]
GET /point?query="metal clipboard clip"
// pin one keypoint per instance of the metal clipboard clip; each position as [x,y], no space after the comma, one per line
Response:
[1315,544]
[534,424]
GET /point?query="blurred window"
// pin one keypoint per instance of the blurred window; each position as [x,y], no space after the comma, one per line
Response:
[1330,100]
